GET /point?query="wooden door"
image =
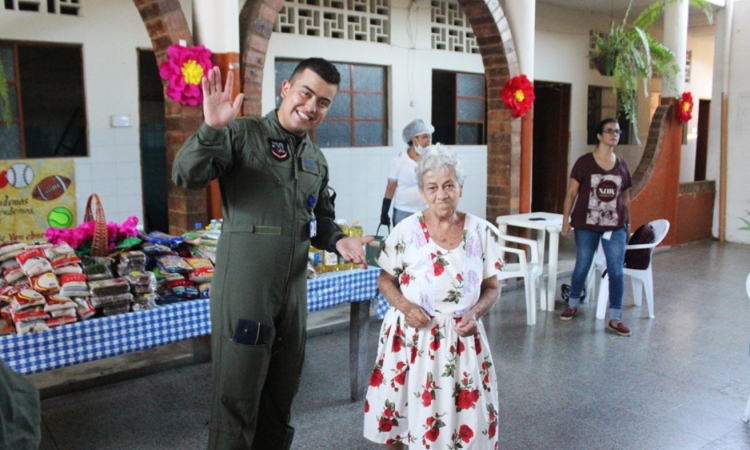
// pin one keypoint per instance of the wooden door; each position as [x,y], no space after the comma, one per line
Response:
[551,146]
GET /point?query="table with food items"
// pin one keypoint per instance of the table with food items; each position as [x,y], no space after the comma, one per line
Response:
[60,306]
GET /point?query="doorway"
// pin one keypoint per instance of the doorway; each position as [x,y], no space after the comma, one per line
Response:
[153,144]
[551,146]
[701,143]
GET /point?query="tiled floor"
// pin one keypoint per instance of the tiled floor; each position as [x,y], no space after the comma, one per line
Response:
[680,382]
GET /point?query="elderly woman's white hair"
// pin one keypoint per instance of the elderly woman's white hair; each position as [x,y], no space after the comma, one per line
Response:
[439,157]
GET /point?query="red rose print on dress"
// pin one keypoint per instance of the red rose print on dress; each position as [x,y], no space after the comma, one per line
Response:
[428,391]
[400,375]
[376,379]
[390,417]
[492,421]
[465,394]
[462,435]
[477,343]
[455,294]
[485,372]
[433,424]
[398,339]
[438,263]
[405,279]
[437,336]
[367,406]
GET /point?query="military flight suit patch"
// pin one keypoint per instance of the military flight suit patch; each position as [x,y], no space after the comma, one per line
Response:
[279,150]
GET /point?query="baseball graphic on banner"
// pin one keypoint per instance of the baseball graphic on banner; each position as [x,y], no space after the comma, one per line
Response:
[20,175]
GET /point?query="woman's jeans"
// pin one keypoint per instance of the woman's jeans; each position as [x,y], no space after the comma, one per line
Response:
[587,243]
[399,215]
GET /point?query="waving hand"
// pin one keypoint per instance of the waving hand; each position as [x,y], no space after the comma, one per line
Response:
[218,108]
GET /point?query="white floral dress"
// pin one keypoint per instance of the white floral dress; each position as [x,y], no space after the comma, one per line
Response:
[431,388]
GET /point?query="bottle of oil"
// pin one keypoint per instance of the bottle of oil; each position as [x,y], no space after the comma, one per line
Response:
[343,264]
[355,230]
[316,259]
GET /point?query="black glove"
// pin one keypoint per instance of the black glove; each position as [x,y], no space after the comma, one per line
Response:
[384,219]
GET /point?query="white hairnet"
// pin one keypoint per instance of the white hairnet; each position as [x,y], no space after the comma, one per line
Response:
[414,128]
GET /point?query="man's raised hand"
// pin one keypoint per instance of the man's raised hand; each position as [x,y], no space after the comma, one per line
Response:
[218,108]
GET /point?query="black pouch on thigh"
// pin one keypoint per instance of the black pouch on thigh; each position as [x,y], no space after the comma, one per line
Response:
[244,366]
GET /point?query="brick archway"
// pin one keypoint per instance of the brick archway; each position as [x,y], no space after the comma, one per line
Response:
[166,24]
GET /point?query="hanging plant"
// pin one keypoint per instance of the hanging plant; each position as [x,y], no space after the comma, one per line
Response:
[685,107]
[183,71]
[5,96]
[629,52]
[518,95]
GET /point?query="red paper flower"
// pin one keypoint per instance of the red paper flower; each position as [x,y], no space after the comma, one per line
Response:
[518,95]
[183,71]
[685,107]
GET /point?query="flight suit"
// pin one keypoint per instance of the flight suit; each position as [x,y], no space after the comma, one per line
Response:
[272,184]
[20,412]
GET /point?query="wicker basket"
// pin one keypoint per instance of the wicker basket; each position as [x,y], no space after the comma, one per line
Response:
[99,243]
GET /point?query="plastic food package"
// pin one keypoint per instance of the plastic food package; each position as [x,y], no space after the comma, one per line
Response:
[28,315]
[73,268]
[204,290]
[203,269]
[135,257]
[97,268]
[33,326]
[144,302]
[58,250]
[13,274]
[65,260]
[6,322]
[10,247]
[63,312]
[173,264]
[116,309]
[154,249]
[62,320]
[33,262]
[74,285]
[157,237]
[84,309]
[10,264]
[46,283]
[124,269]
[111,300]
[27,298]
[59,302]
[111,286]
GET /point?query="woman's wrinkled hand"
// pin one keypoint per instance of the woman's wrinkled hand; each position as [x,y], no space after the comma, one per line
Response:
[467,326]
[416,316]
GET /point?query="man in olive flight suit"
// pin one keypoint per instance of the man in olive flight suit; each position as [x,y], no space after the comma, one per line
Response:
[274,191]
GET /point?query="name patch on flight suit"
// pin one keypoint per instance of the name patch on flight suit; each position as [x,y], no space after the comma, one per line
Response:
[279,150]
[311,166]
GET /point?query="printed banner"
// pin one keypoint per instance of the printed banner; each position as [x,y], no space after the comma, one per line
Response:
[36,194]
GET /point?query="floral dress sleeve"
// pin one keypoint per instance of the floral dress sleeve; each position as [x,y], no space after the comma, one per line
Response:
[492,261]
[391,255]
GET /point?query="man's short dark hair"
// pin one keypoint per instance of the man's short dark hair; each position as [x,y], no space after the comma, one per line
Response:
[603,123]
[320,66]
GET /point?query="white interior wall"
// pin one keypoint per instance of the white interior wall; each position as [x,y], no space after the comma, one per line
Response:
[359,175]
[110,31]
[738,124]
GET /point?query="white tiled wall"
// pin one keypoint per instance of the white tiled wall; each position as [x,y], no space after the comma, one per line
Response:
[359,176]
[113,172]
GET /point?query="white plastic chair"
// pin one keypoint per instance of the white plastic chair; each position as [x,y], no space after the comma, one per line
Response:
[640,279]
[530,270]
[746,415]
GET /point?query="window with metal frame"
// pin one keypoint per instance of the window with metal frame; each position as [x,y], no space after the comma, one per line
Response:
[458,108]
[359,114]
[46,96]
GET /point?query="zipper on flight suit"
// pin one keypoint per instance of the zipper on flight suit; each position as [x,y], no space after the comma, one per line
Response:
[290,140]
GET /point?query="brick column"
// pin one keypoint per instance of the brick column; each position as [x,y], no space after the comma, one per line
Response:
[256,25]
[166,25]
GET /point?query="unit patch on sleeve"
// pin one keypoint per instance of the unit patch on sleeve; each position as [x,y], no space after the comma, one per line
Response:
[279,150]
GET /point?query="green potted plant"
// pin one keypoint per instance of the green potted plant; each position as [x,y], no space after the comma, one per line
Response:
[629,51]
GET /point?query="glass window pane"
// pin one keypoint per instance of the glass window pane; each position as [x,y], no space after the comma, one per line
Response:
[369,78]
[283,70]
[369,106]
[470,110]
[369,134]
[10,142]
[469,134]
[6,56]
[470,85]
[334,134]
[346,79]
[342,107]
[13,95]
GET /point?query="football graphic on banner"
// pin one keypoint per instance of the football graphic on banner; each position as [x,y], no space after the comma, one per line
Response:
[51,187]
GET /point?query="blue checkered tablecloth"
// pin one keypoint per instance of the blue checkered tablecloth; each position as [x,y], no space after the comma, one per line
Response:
[105,337]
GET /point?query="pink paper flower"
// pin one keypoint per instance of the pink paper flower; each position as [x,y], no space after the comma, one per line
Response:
[183,71]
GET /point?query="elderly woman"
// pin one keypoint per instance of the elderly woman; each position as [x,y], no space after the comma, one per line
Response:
[434,383]
[402,186]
